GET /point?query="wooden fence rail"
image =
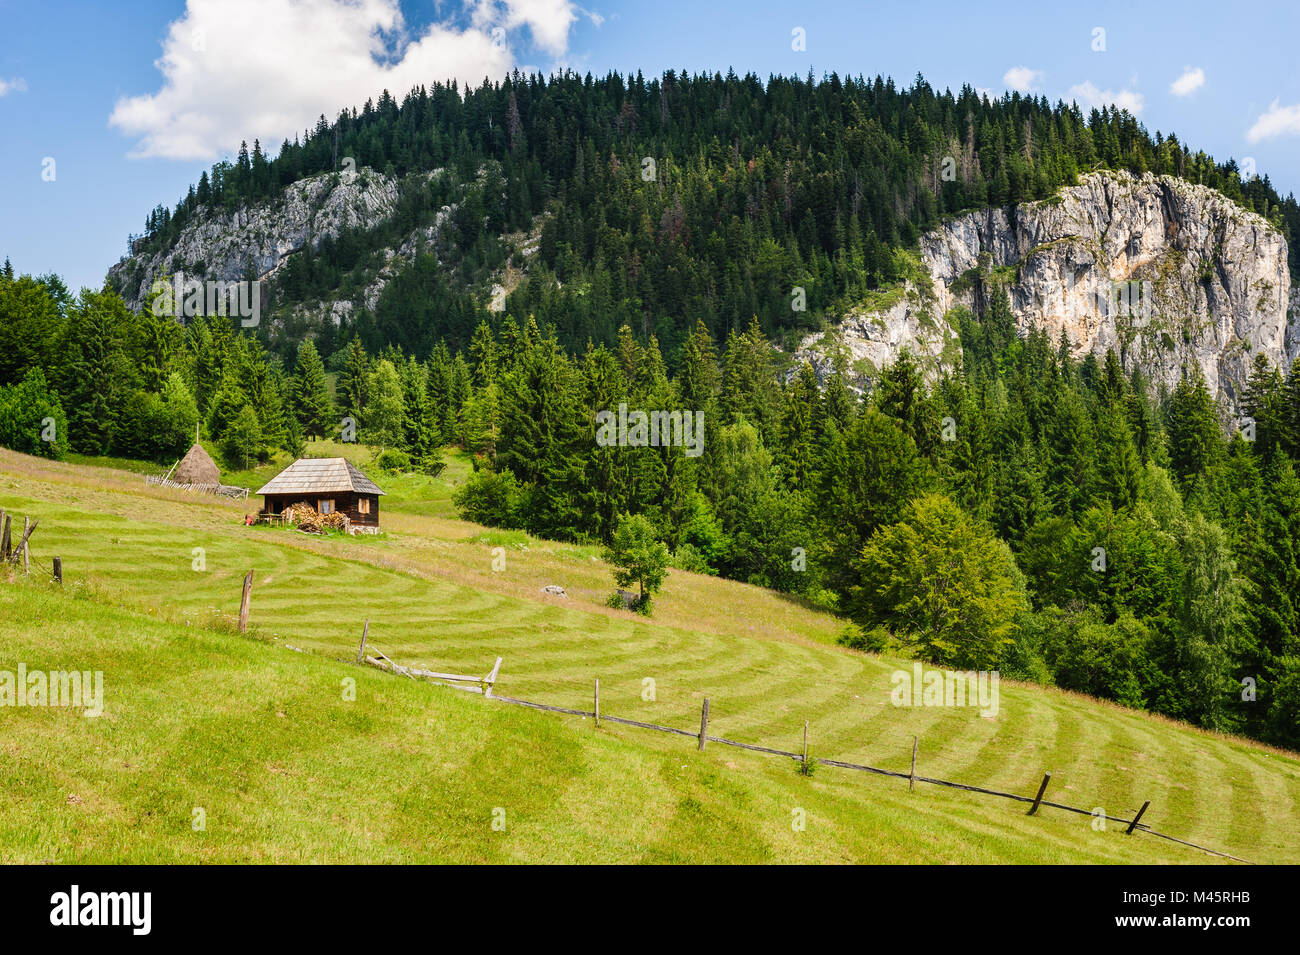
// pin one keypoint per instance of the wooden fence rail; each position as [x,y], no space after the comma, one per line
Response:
[220,490]
[478,684]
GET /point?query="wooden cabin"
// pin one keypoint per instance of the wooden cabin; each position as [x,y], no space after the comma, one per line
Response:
[329,485]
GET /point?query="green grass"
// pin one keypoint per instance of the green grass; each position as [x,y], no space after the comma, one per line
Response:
[412,772]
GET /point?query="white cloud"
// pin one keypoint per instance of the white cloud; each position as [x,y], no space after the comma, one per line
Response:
[547,20]
[16,85]
[266,69]
[1278,121]
[1022,79]
[1190,81]
[1088,97]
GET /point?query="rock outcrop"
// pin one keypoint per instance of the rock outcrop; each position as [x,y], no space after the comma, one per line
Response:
[871,337]
[1166,273]
[254,240]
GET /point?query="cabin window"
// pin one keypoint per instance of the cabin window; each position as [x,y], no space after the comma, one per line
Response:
[363,505]
[325,506]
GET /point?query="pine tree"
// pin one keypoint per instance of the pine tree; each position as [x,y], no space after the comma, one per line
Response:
[868,481]
[483,355]
[798,445]
[901,394]
[97,374]
[313,411]
[1273,568]
[1290,412]
[353,380]
[242,442]
[1119,467]
[1195,439]
[1262,402]
[749,386]
[1070,446]
[698,377]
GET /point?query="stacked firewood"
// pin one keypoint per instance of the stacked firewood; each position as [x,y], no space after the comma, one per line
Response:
[307,518]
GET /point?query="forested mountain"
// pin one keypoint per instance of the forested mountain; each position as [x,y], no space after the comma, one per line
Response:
[1019,505]
[655,203]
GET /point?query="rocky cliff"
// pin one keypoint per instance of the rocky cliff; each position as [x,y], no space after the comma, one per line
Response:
[256,240]
[1164,272]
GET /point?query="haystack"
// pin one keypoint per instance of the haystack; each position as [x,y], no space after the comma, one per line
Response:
[197,467]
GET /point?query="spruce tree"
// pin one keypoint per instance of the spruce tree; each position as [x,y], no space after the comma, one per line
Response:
[352,381]
[313,411]
[1195,438]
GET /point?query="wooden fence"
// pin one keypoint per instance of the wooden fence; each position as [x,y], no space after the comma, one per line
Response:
[221,490]
[19,553]
[703,738]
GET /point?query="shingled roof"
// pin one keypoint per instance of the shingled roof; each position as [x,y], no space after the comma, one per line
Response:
[320,476]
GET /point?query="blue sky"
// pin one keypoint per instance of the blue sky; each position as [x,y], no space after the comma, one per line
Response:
[132,101]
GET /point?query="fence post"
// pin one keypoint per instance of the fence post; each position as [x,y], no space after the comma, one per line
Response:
[4,537]
[597,714]
[29,528]
[58,570]
[492,679]
[365,632]
[1133,825]
[27,566]
[805,746]
[704,723]
[911,780]
[243,602]
[1047,777]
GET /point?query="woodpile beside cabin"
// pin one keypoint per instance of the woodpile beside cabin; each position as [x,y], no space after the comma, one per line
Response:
[329,486]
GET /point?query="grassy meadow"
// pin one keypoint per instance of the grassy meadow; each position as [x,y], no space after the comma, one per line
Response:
[287,770]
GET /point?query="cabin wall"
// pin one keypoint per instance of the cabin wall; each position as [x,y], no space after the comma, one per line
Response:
[344,501]
[353,509]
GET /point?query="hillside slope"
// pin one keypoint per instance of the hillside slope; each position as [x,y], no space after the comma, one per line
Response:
[194,716]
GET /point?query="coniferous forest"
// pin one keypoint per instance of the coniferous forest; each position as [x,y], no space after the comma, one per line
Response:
[665,202]
[1052,518]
